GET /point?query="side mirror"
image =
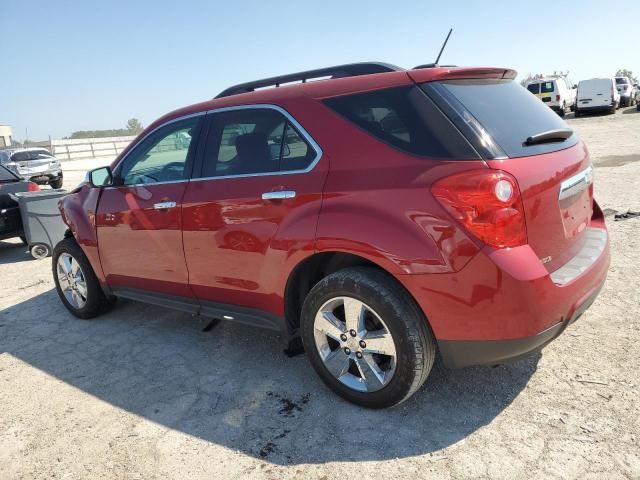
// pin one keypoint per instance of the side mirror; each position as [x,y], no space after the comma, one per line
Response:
[101,177]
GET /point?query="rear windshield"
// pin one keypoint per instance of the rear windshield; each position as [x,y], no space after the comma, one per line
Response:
[406,119]
[6,175]
[621,81]
[504,110]
[30,155]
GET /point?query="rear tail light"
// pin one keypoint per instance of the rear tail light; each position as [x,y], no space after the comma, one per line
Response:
[32,187]
[487,203]
[557,98]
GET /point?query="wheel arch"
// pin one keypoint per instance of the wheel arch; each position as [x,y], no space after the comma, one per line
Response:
[314,268]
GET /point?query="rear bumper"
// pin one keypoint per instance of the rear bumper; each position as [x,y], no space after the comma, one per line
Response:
[503,305]
[461,353]
[598,108]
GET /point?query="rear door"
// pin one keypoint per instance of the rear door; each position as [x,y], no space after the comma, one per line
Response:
[139,222]
[595,93]
[554,177]
[254,207]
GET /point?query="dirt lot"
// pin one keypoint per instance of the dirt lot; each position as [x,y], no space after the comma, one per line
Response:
[145,393]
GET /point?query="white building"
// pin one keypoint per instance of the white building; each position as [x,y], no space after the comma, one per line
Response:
[5,136]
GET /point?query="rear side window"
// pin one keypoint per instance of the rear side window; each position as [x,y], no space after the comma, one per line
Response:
[505,111]
[254,141]
[406,119]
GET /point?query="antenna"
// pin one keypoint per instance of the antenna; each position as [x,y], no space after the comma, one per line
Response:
[443,45]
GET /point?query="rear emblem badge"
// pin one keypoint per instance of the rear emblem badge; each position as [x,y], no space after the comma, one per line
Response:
[545,260]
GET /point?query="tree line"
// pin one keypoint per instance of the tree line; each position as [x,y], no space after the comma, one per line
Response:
[133,127]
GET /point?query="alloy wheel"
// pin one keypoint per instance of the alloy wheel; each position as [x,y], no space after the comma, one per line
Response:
[355,344]
[71,280]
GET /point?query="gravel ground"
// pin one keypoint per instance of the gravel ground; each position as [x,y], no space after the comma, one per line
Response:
[146,393]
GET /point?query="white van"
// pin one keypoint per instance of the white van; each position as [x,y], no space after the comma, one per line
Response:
[556,92]
[597,94]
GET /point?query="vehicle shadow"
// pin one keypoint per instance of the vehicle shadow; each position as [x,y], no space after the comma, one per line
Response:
[630,110]
[13,251]
[233,385]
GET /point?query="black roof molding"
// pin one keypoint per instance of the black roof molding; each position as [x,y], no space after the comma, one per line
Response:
[339,71]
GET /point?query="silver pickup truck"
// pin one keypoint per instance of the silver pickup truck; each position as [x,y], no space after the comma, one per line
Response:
[36,165]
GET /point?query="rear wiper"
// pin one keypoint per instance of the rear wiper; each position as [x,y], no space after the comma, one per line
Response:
[558,135]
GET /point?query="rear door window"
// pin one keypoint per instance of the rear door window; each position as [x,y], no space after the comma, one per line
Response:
[506,113]
[546,87]
[406,119]
[254,141]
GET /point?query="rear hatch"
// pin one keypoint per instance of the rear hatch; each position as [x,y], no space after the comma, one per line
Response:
[624,86]
[596,92]
[544,90]
[498,117]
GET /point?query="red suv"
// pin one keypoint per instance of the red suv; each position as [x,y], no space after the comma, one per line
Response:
[380,214]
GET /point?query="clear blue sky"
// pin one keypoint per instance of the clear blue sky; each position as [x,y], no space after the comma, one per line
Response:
[86,65]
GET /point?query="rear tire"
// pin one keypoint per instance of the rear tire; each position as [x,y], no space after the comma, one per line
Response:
[39,251]
[76,282]
[391,319]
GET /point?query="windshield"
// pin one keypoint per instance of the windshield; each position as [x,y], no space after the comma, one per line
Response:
[506,112]
[27,155]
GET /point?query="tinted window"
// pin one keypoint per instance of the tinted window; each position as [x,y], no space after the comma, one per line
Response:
[621,81]
[253,141]
[507,113]
[6,175]
[406,119]
[162,156]
[534,87]
[546,87]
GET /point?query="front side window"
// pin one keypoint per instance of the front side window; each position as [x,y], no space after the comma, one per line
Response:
[254,141]
[161,157]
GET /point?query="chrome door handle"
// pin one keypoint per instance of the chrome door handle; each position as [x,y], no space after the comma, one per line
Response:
[280,195]
[164,205]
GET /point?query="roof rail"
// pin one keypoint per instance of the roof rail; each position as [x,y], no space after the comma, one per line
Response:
[339,71]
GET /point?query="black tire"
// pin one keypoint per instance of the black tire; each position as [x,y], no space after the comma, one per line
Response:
[572,107]
[97,302]
[56,184]
[613,109]
[576,112]
[562,111]
[23,239]
[414,343]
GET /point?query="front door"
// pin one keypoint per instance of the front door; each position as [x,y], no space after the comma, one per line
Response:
[139,221]
[254,208]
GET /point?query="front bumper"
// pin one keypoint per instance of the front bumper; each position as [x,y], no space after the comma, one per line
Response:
[42,178]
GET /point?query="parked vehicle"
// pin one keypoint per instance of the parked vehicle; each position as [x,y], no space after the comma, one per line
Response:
[597,95]
[626,90]
[412,212]
[10,220]
[558,93]
[34,164]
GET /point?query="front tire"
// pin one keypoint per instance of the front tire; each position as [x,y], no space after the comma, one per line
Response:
[366,337]
[76,282]
[56,184]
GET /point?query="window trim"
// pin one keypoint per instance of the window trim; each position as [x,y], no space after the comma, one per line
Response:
[289,118]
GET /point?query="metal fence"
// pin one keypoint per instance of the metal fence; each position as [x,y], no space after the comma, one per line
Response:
[67,149]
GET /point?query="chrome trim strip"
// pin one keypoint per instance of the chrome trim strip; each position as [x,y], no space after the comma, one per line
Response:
[576,184]
[594,245]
